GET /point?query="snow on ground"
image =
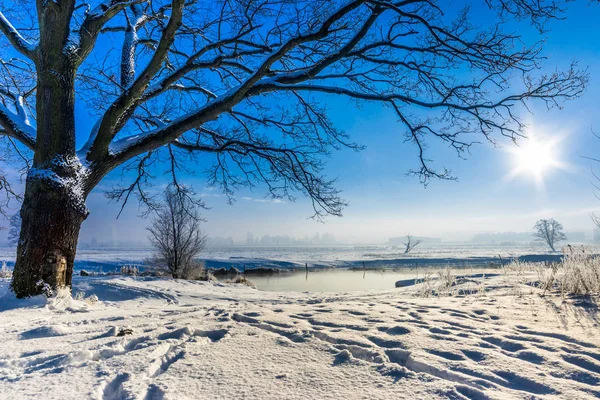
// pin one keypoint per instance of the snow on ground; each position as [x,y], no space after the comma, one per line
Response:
[196,340]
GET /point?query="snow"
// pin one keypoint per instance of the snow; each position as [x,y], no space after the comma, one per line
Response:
[20,120]
[173,339]
[15,33]
[128,56]
[121,145]
[72,44]
[73,184]
[82,153]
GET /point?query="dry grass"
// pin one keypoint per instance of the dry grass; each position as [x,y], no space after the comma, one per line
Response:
[577,274]
[241,279]
[440,282]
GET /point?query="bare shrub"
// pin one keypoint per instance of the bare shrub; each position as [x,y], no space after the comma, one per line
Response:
[176,236]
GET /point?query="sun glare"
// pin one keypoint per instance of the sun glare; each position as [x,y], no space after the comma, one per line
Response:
[534,158]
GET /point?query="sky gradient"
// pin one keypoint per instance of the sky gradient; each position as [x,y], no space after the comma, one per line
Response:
[385,202]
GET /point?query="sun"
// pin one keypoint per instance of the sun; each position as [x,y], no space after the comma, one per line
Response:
[535,157]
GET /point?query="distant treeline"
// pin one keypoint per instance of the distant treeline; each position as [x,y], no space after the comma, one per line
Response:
[277,240]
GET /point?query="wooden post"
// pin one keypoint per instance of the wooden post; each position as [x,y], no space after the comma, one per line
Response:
[306,266]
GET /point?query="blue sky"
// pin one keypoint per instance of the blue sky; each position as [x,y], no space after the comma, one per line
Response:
[385,202]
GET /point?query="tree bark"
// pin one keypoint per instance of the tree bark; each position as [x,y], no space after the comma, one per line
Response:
[54,203]
[52,214]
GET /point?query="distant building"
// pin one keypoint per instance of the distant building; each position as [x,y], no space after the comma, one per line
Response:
[596,235]
[399,241]
[503,237]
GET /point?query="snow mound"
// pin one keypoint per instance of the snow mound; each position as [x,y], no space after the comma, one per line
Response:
[44,332]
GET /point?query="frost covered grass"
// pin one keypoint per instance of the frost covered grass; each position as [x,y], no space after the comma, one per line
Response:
[448,282]
[578,274]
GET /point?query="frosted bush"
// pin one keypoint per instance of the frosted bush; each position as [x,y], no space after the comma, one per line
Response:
[447,280]
[436,283]
[129,270]
[93,299]
[5,273]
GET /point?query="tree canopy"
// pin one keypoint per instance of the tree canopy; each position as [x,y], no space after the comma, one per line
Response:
[167,81]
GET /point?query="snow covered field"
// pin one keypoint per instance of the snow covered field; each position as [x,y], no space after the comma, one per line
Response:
[195,340]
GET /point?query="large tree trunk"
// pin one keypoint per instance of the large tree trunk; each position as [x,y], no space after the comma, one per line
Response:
[54,203]
[52,212]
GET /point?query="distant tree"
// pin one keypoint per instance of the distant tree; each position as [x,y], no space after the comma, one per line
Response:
[176,236]
[245,84]
[14,229]
[549,231]
[411,243]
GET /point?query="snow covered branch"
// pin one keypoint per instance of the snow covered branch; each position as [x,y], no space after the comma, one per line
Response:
[16,39]
[95,21]
[122,108]
[16,125]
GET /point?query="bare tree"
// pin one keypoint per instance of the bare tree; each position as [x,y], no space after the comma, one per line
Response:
[411,243]
[549,231]
[176,236]
[245,82]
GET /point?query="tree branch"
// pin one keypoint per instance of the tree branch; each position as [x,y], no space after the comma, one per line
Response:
[119,111]
[16,126]
[16,39]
